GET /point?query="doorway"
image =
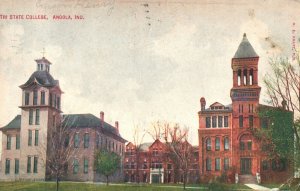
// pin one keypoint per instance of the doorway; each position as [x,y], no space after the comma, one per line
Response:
[246,165]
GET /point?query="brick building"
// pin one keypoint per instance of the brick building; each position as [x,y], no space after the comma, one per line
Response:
[226,143]
[154,165]
[25,139]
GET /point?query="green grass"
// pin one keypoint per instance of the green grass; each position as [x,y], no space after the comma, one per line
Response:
[271,185]
[74,186]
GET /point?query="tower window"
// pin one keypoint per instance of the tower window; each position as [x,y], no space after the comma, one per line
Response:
[239,77]
[17,142]
[241,121]
[35,97]
[8,142]
[58,102]
[50,99]
[251,77]
[42,98]
[27,98]
[251,121]
[245,77]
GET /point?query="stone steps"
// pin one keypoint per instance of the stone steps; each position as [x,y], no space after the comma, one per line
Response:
[247,179]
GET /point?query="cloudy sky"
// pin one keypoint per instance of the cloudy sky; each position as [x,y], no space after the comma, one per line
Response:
[140,61]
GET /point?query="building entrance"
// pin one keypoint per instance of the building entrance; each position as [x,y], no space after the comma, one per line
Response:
[246,165]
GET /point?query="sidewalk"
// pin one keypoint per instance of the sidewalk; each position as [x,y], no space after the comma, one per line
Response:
[260,188]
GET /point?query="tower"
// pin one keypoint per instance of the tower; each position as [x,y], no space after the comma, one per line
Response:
[245,100]
[40,111]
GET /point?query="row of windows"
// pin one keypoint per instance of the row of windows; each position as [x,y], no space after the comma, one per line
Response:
[40,67]
[17,165]
[217,144]
[37,116]
[54,100]
[250,108]
[212,121]
[217,164]
[275,165]
[241,121]
[245,145]
[9,142]
[247,80]
[36,137]
[110,145]
[76,166]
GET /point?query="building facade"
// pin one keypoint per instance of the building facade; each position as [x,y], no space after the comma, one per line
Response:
[25,140]
[227,145]
[152,164]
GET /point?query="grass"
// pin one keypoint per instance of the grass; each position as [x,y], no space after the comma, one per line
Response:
[76,186]
[271,185]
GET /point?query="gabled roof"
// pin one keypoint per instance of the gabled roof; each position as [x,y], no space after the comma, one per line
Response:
[245,49]
[14,124]
[216,104]
[43,78]
[90,121]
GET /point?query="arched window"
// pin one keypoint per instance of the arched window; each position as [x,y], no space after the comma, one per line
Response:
[208,144]
[217,142]
[251,77]
[226,143]
[245,77]
[239,77]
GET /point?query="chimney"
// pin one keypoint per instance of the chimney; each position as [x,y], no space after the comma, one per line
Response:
[102,116]
[117,126]
[202,103]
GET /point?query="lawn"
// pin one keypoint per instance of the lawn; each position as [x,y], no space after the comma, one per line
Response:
[73,186]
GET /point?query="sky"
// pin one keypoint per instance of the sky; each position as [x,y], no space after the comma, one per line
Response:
[140,61]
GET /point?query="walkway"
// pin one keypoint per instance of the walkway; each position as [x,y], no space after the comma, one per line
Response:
[260,188]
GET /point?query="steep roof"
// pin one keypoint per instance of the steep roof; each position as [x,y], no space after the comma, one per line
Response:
[90,121]
[245,50]
[14,124]
[44,78]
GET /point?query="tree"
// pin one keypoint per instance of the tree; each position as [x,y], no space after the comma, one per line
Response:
[138,137]
[59,151]
[107,163]
[179,150]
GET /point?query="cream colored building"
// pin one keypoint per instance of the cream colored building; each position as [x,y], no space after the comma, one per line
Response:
[24,139]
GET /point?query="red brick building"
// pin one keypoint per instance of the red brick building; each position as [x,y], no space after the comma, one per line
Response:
[226,143]
[154,165]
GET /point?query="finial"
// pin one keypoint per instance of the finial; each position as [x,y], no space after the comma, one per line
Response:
[244,35]
[43,52]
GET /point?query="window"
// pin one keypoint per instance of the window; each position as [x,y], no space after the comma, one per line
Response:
[17,164]
[245,77]
[37,116]
[225,121]
[226,163]
[265,165]
[242,146]
[35,164]
[217,142]
[208,144]
[217,164]
[241,121]
[207,122]
[50,99]
[8,142]
[67,140]
[42,98]
[36,138]
[75,166]
[226,143]
[76,140]
[30,116]
[249,145]
[239,77]
[214,121]
[7,166]
[58,102]
[86,140]
[17,141]
[155,152]
[251,77]
[27,98]
[98,141]
[282,164]
[35,96]
[29,137]
[264,122]
[54,100]
[29,164]
[86,166]
[250,121]
[220,121]
[208,164]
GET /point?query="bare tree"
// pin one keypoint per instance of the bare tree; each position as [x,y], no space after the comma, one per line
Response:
[179,150]
[138,137]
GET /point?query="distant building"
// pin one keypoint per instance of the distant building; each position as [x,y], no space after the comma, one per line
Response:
[154,165]
[25,138]
[227,145]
